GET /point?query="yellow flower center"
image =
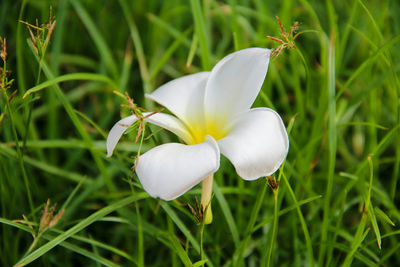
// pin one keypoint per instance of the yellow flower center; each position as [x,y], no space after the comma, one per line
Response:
[217,130]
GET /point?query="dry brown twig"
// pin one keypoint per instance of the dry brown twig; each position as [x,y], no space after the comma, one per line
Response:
[47,221]
[40,35]
[198,211]
[288,38]
[141,119]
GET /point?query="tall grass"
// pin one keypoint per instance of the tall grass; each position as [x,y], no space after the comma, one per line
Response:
[338,93]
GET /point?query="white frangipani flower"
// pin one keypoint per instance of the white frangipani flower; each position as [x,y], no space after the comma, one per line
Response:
[213,116]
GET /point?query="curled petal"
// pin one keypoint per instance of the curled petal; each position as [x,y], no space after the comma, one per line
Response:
[234,84]
[117,131]
[169,170]
[184,97]
[160,119]
[257,144]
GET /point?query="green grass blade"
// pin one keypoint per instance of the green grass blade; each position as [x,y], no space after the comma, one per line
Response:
[20,41]
[286,210]
[169,29]
[375,227]
[200,29]
[179,250]
[239,253]
[137,42]
[88,254]
[369,206]
[367,63]
[44,166]
[332,142]
[355,245]
[71,246]
[178,222]
[274,232]
[75,120]
[98,39]
[167,54]
[71,77]
[383,216]
[181,226]
[79,227]
[227,213]
[302,221]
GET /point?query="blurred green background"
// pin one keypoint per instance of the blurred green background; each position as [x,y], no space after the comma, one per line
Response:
[339,92]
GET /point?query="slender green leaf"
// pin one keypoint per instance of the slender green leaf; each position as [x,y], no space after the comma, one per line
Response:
[79,227]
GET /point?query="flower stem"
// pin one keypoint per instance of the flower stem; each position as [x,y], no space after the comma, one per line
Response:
[274,229]
[201,241]
[206,192]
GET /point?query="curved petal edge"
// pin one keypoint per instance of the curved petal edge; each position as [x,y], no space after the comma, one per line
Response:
[184,97]
[162,120]
[257,145]
[234,84]
[117,131]
[169,170]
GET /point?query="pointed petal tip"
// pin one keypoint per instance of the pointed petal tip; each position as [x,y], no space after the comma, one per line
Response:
[117,131]
[235,82]
[258,50]
[162,120]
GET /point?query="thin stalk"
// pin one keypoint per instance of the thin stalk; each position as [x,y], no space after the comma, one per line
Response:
[234,26]
[332,148]
[140,237]
[20,57]
[307,78]
[83,224]
[396,91]
[232,224]
[20,157]
[139,218]
[201,241]
[200,29]
[250,226]
[137,42]
[78,125]
[103,49]
[19,150]
[360,233]
[30,108]
[339,221]
[302,222]
[171,230]
[274,229]
[275,188]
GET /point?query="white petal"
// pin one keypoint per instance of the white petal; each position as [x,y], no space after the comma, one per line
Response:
[163,120]
[117,131]
[257,145]
[171,124]
[234,84]
[169,170]
[184,97]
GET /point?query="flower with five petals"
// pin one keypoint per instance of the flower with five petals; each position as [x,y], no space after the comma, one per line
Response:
[213,115]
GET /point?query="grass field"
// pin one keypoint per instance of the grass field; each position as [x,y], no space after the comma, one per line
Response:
[337,92]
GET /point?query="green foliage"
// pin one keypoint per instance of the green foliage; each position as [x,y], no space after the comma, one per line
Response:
[337,201]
